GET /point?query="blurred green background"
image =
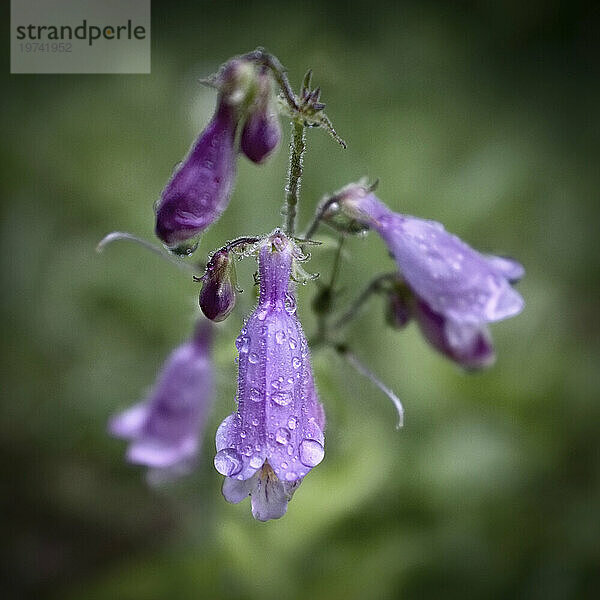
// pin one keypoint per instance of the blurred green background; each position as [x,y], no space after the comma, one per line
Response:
[483,115]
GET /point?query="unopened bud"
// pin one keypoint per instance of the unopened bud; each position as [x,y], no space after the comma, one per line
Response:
[217,297]
[262,130]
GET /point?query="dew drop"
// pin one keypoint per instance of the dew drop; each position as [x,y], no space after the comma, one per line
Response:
[290,450]
[280,337]
[242,343]
[256,461]
[281,398]
[247,450]
[255,422]
[228,462]
[292,422]
[255,395]
[293,343]
[311,452]
[282,436]
[296,362]
[253,357]
[284,465]
[291,476]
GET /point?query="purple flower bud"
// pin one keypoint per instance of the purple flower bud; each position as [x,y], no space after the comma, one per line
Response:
[217,298]
[166,429]
[262,130]
[199,190]
[455,281]
[275,437]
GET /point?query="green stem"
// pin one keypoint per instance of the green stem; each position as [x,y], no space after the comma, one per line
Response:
[292,196]
[372,287]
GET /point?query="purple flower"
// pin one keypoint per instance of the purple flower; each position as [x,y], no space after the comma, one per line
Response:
[199,189]
[217,297]
[262,131]
[275,437]
[166,429]
[457,290]
[453,279]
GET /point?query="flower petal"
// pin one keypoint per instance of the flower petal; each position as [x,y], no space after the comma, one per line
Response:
[271,496]
[235,490]
[511,269]
[129,423]
[467,344]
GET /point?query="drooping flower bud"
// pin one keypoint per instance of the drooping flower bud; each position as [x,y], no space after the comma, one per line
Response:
[199,189]
[217,297]
[275,437]
[166,429]
[262,131]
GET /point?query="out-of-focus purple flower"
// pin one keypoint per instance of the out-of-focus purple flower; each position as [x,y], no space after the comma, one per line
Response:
[199,189]
[217,297]
[454,280]
[262,131]
[166,429]
[275,437]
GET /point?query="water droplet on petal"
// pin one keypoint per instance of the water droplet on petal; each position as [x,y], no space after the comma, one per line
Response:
[255,422]
[284,465]
[311,452]
[292,422]
[242,343]
[290,450]
[293,343]
[281,398]
[256,461]
[296,362]
[291,476]
[247,450]
[228,462]
[255,395]
[282,436]
[280,337]
[253,358]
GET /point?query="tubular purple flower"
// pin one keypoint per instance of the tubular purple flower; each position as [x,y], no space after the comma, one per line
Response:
[275,437]
[199,189]
[217,297]
[262,131]
[454,280]
[166,429]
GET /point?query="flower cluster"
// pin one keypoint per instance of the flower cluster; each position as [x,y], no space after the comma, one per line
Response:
[275,436]
[199,189]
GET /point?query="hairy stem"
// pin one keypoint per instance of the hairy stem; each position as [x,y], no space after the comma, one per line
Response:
[292,195]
